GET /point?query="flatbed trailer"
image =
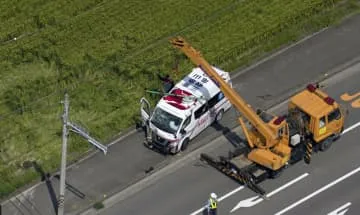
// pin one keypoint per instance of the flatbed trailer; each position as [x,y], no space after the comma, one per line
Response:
[240,169]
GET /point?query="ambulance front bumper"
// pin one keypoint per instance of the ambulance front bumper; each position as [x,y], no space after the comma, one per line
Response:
[160,144]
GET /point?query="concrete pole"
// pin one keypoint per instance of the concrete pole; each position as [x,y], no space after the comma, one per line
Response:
[63,157]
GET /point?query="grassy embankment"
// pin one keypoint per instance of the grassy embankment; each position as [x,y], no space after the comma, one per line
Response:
[106,52]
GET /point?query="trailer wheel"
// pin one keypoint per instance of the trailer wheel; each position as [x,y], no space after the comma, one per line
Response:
[185,144]
[325,145]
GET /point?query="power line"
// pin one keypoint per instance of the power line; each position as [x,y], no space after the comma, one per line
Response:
[47,27]
[57,92]
[23,132]
[190,27]
[27,107]
[137,51]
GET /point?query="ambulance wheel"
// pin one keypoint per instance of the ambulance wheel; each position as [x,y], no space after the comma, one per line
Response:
[185,144]
[219,116]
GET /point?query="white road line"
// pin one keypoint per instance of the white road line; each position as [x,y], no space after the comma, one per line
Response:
[340,210]
[250,202]
[318,191]
[230,193]
[287,184]
[351,128]
[220,199]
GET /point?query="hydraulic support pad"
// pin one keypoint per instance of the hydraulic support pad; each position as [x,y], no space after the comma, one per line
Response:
[239,176]
[308,152]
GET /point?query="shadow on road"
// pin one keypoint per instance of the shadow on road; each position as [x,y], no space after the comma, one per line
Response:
[231,136]
[46,177]
[72,189]
[205,212]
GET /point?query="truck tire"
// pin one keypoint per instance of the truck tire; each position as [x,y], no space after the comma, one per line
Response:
[275,173]
[185,144]
[219,116]
[325,145]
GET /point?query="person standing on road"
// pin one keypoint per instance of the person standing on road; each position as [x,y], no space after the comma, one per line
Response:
[212,204]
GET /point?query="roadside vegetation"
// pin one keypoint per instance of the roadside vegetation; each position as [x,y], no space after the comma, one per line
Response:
[106,52]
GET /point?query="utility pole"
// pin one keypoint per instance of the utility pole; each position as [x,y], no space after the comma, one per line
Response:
[82,132]
[63,156]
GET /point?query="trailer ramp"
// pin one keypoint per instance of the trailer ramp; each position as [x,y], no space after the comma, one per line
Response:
[243,177]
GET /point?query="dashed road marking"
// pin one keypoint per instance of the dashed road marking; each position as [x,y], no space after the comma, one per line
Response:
[341,210]
[318,191]
[220,199]
[250,202]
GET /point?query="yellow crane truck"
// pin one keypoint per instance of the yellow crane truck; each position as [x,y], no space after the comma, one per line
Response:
[313,121]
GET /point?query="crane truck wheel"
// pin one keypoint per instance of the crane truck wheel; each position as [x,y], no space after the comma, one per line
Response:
[275,173]
[325,145]
[219,116]
[185,144]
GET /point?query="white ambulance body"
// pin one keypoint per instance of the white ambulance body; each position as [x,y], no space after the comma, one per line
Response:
[177,119]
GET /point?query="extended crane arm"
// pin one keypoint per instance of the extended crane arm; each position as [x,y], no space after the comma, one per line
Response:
[228,91]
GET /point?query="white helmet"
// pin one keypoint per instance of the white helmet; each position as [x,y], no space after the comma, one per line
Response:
[213,195]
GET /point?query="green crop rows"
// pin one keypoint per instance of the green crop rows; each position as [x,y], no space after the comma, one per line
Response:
[106,52]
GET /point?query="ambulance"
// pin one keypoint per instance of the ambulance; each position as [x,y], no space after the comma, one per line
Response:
[191,106]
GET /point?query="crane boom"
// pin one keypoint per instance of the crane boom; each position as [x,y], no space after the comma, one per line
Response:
[276,142]
[229,92]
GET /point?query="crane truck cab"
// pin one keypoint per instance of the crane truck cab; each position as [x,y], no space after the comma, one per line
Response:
[190,107]
[323,118]
[313,118]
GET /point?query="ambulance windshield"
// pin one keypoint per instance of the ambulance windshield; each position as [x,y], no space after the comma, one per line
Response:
[166,121]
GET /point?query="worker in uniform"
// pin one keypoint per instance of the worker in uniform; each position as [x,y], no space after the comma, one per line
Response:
[212,204]
[168,83]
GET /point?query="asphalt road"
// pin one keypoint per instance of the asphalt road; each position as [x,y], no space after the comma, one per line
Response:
[262,85]
[187,189]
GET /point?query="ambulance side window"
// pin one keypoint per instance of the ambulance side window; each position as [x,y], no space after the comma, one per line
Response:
[216,99]
[186,122]
[199,112]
